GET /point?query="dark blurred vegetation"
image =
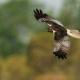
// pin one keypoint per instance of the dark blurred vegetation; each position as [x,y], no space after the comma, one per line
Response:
[70,13]
[26,46]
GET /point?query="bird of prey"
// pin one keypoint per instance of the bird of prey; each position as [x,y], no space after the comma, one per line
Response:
[62,35]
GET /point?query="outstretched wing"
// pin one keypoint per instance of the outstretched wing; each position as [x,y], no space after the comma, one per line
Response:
[52,23]
[62,43]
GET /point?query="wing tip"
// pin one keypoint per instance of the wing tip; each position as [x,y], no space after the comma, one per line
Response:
[60,54]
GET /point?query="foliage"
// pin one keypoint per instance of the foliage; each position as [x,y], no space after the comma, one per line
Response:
[40,51]
[69,14]
[15,17]
[15,68]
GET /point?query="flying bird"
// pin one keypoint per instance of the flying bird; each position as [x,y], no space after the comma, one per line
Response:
[62,35]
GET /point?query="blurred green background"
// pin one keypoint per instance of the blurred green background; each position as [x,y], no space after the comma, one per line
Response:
[26,46]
